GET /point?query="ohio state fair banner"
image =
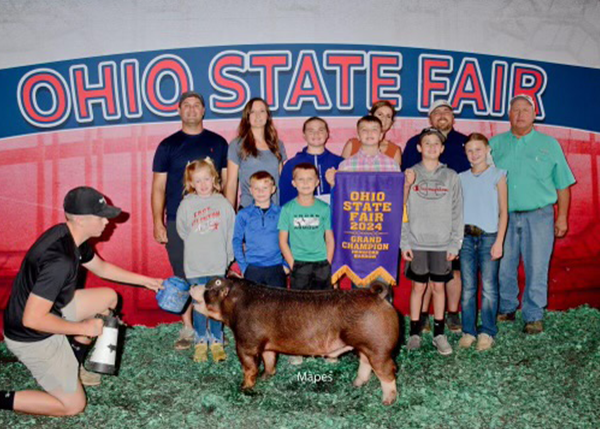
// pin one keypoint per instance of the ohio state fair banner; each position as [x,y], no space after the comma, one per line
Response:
[295,80]
[367,219]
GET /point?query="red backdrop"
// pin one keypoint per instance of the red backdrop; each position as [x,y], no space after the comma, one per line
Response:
[38,170]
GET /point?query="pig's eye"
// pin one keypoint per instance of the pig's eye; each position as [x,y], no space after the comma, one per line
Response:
[218,283]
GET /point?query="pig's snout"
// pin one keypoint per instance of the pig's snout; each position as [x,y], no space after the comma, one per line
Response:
[197,294]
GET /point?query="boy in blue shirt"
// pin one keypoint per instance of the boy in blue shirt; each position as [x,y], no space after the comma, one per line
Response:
[316,133]
[256,237]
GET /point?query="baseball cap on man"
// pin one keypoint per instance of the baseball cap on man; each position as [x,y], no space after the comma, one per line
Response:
[439,103]
[87,201]
[523,97]
[189,94]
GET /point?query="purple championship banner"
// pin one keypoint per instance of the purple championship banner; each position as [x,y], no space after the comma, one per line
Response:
[367,211]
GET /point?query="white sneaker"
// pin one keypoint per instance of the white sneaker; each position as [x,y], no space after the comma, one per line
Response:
[185,340]
[414,343]
[89,378]
[484,342]
[466,341]
[441,343]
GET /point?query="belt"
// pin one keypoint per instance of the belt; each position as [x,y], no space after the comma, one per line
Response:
[473,230]
[532,210]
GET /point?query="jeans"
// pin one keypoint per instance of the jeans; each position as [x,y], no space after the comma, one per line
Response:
[273,276]
[206,330]
[529,235]
[475,256]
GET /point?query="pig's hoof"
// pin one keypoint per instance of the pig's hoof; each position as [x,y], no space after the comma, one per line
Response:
[267,375]
[247,389]
[358,382]
[248,385]
[389,400]
[249,392]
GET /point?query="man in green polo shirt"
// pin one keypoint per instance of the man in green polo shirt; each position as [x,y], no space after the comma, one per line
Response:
[538,177]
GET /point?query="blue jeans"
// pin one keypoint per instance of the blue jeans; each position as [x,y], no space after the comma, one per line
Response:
[475,256]
[206,330]
[273,276]
[530,235]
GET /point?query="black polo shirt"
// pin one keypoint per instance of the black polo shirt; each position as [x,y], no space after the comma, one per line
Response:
[49,271]
[176,151]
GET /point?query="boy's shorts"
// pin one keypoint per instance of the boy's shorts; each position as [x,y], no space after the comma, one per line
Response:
[51,361]
[311,275]
[428,265]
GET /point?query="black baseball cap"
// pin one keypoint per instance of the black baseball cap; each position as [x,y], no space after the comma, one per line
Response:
[87,201]
[189,94]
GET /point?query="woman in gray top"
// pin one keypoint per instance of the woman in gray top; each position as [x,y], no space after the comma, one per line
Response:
[256,148]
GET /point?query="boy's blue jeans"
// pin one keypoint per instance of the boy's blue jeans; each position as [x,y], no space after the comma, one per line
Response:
[206,330]
[475,256]
[529,235]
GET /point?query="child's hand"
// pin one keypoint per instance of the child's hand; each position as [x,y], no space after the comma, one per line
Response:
[286,270]
[450,256]
[330,176]
[409,177]
[407,255]
[497,251]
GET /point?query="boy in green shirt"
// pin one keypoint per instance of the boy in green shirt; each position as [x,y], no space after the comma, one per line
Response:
[305,234]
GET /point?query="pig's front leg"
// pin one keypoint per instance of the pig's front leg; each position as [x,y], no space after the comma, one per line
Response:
[249,361]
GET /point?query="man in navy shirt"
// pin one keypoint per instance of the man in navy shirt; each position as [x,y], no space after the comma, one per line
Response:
[173,154]
[441,116]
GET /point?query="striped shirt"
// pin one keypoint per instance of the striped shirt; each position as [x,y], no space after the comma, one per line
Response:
[363,162]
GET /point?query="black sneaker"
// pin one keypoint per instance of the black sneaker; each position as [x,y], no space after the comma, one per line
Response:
[507,317]
[453,323]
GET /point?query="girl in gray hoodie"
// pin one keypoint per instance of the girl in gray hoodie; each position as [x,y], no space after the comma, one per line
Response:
[205,221]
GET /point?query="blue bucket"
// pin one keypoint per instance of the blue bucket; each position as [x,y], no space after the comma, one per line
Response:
[175,294]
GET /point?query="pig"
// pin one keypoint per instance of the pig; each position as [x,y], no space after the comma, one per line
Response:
[267,321]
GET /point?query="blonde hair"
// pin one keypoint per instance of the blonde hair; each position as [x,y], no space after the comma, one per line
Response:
[194,166]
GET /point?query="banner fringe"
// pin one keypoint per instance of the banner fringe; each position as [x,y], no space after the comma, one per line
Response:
[364,282]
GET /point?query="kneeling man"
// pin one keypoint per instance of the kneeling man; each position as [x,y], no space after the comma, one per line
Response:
[44,306]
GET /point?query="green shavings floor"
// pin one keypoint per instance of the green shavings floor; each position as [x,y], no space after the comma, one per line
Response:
[551,380]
